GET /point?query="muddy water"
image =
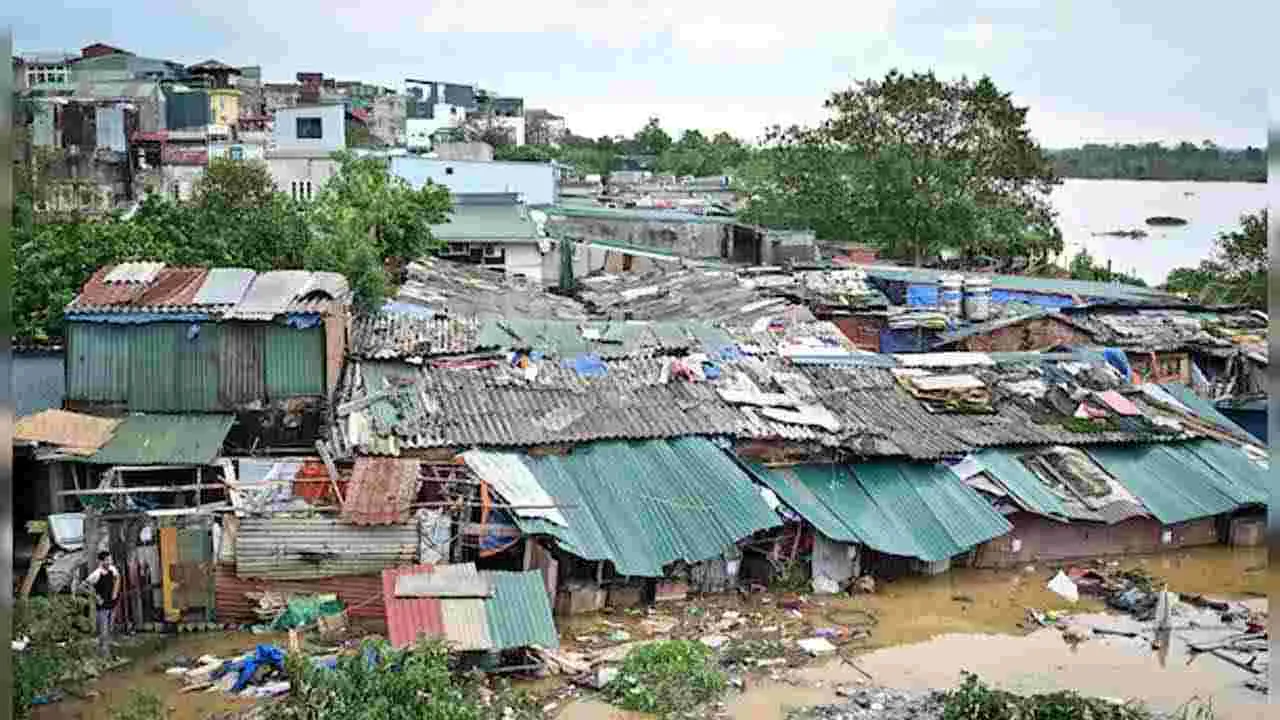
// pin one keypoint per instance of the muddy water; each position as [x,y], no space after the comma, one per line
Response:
[928,629]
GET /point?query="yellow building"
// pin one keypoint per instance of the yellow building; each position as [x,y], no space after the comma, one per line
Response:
[224,98]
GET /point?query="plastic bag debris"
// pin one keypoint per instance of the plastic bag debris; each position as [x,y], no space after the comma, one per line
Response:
[1064,587]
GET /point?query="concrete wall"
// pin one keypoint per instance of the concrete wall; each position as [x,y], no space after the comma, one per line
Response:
[685,239]
[1035,538]
[286,171]
[474,151]
[1037,334]
[284,133]
[534,181]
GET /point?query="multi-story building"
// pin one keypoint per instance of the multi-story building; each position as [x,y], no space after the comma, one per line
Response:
[543,127]
[219,83]
[300,153]
[437,107]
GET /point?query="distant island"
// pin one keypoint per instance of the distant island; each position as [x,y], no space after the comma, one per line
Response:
[1154,161]
[1135,233]
[1166,221]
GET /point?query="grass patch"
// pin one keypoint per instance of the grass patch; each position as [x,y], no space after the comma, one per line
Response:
[140,705]
[667,677]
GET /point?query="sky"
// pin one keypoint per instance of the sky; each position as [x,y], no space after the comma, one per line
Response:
[1128,71]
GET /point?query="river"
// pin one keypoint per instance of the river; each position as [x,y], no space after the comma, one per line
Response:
[1086,207]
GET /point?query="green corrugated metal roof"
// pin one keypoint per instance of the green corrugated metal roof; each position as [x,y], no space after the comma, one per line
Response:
[644,505]
[793,491]
[487,222]
[294,361]
[906,509]
[1173,489]
[1203,408]
[165,440]
[519,613]
[1004,466]
[1241,479]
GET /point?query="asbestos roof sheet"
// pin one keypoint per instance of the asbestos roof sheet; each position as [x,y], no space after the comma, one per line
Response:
[644,505]
[1023,484]
[512,479]
[1173,489]
[900,508]
[1205,409]
[271,294]
[74,433]
[224,286]
[381,491]
[165,440]
[403,336]
[460,290]
[459,580]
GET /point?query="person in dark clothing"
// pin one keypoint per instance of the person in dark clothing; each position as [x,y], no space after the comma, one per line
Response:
[105,583]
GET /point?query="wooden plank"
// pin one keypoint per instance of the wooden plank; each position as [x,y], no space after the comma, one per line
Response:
[37,563]
[333,471]
[168,557]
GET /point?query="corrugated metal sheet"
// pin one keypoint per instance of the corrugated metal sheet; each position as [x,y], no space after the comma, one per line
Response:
[1205,409]
[519,614]
[39,381]
[294,361]
[454,580]
[362,594]
[1247,482]
[465,625]
[508,474]
[407,618]
[1021,482]
[644,505]
[381,491]
[792,490]
[165,440]
[1172,488]
[199,368]
[907,509]
[97,363]
[139,273]
[242,377]
[153,366]
[224,286]
[296,548]
[73,432]
[270,294]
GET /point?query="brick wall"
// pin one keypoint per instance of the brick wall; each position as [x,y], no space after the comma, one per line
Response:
[1037,334]
[862,330]
[1042,539]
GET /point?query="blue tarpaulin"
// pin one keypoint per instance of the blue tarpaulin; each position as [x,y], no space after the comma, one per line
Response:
[264,655]
[1116,358]
[588,365]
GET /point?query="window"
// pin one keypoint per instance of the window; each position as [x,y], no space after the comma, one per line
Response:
[293,189]
[448,171]
[310,128]
[237,152]
[307,185]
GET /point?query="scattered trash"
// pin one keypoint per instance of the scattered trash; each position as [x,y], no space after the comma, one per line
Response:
[962,598]
[715,642]
[770,662]
[816,646]
[619,636]
[1064,587]
[20,644]
[865,584]
[1076,634]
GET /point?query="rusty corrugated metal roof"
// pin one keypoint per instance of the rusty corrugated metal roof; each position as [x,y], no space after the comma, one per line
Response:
[381,491]
[74,433]
[407,618]
[173,287]
[362,594]
[296,548]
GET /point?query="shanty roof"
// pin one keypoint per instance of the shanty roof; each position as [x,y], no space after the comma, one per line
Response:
[908,509]
[1023,283]
[583,210]
[381,491]
[517,614]
[1171,484]
[165,440]
[717,296]
[978,329]
[869,404]
[460,290]
[1210,331]
[507,223]
[1031,493]
[69,432]
[642,505]
[143,291]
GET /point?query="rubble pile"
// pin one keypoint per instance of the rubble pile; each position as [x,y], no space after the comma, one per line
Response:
[877,704]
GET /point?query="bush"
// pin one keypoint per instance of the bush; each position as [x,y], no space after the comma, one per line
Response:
[141,705]
[975,701]
[667,677]
[383,683]
[55,625]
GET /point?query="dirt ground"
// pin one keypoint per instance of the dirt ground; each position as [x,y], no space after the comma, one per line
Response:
[914,633]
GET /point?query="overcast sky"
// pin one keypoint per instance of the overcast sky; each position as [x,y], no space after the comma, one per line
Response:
[1132,70]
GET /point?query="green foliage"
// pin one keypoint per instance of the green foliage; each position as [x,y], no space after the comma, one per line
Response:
[383,683]
[1237,271]
[56,627]
[651,139]
[694,155]
[667,677]
[914,165]
[1083,268]
[140,705]
[1154,161]
[973,700]
[362,218]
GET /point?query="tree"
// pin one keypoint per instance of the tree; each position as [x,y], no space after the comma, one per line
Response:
[915,165]
[1236,273]
[234,184]
[651,139]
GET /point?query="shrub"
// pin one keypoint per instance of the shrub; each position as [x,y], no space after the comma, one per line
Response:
[667,677]
[140,705]
[975,701]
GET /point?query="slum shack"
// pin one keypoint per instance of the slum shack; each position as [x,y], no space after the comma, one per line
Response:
[729,454]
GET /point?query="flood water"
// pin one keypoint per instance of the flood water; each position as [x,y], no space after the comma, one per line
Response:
[929,629]
[1086,207]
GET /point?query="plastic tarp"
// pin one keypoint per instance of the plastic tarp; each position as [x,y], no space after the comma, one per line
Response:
[306,609]
[263,655]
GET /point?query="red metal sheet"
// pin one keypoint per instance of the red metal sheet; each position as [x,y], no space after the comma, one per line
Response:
[407,618]
[97,292]
[381,491]
[173,287]
[362,594]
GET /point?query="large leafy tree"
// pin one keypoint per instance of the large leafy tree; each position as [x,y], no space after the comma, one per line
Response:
[942,164]
[1236,273]
[651,139]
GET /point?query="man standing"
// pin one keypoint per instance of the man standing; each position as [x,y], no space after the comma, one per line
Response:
[105,581]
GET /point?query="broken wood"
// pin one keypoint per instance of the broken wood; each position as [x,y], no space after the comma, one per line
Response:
[1225,642]
[332,469]
[854,665]
[37,563]
[1116,633]
[561,662]
[1248,667]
